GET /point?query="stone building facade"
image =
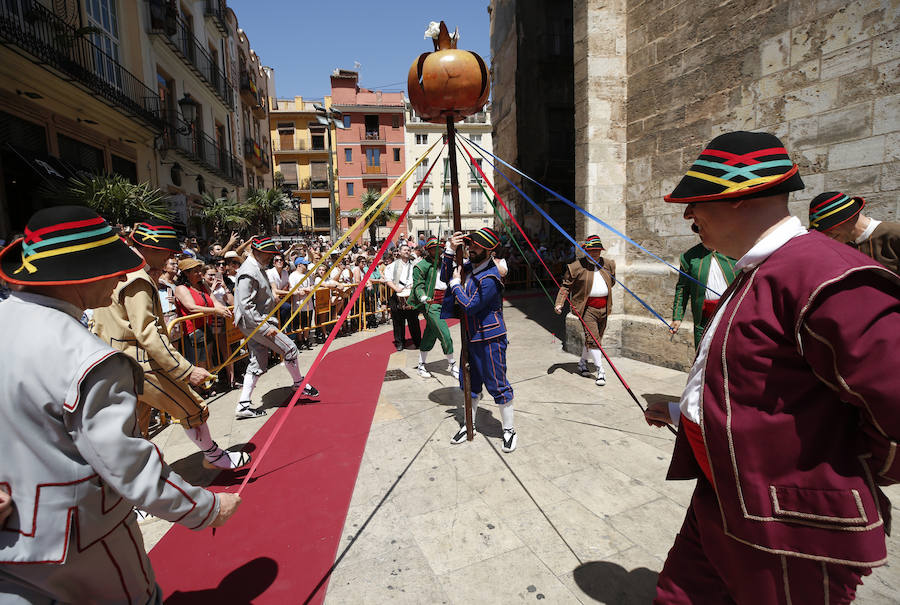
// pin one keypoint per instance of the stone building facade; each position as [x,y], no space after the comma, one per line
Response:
[657,79]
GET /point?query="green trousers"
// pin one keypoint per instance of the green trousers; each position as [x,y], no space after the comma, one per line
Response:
[435,328]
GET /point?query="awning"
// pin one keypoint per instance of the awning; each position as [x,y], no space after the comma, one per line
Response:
[53,170]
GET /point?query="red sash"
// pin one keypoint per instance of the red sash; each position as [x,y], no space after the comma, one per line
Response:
[438,297]
[597,302]
[695,438]
[709,309]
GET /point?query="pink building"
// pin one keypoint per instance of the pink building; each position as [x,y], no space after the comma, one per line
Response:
[370,152]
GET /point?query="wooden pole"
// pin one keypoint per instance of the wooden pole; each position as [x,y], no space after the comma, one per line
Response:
[463,331]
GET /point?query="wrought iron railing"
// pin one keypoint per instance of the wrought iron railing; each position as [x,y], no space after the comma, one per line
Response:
[215,10]
[44,38]
[165,22]
[202,149]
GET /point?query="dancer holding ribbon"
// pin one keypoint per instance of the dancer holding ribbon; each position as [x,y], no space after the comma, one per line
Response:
[428,293]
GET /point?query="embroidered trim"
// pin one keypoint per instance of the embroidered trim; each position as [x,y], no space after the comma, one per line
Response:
[784,577]
[889,462]
[862,518]
[800,555]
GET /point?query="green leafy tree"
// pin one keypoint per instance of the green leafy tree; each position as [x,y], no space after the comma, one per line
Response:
[367,200]
[267,207]
[225,214]
[114,197]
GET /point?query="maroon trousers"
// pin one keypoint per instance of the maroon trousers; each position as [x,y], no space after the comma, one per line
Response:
[707,566]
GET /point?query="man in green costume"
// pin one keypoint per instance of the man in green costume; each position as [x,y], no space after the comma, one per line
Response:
[427,294]
[708,267]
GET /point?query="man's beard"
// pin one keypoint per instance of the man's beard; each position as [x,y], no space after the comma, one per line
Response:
[477,256]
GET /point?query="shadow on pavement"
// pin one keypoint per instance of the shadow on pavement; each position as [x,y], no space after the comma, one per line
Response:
[611,583]
[239,587]
[192,470]
[536,308]
[570,367]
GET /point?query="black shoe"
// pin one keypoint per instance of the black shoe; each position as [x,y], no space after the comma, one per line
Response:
[309,390]
[399,347]
[245,411]
[461,435]
[510,439]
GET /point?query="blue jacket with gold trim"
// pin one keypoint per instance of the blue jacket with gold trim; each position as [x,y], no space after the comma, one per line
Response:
[480,297]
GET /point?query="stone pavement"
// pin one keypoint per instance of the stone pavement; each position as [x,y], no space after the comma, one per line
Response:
[579,513]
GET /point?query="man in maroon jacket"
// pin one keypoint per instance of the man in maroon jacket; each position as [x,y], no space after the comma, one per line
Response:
[789,420]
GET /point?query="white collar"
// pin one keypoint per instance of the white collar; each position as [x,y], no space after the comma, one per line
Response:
[48,301]
[785,230]
[482,265]
[868,232]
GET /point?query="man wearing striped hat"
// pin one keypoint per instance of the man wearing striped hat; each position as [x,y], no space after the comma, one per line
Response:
[133,324]
[790,419]
[253,301]
[74,462]
[478,290]
[587,286]
[428,294]
[840,217]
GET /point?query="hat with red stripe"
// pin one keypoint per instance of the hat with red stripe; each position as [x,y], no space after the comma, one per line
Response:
[67,245]
[265,244]
[738,165]
[485,237]
[832,208]
[592,242]
[432,242]
[156,234]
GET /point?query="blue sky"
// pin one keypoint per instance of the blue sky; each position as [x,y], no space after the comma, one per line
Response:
[299,38]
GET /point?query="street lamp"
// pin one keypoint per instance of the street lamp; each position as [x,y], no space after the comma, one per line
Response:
[327,117]
[188,107]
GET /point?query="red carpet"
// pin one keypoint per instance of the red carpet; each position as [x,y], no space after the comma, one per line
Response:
[284,538]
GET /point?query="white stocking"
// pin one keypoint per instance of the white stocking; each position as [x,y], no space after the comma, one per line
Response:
[423,355]
[506,415]
[598,361]
[293,368]
[584,355]
[250,380]
[202,439]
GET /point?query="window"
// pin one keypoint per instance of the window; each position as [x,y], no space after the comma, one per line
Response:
[447,202]
[421,171]
[349,188]
[395,122]
[396,154]
[346,121]
[104,17]
[373,157]
[446,172]
[474,175]
[372,132]
[289,172]
[421,139]
[125,168]
[80,154]
[476,201]
[318,140]
[348,155]
[475,138]
[423,202]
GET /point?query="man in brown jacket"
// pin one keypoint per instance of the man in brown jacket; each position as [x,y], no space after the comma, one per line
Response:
[133,324]
[840,217]
[588,287]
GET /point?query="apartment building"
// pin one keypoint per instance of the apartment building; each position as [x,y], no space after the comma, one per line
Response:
[300,148]
[431,213]
[253,115]
[371,147]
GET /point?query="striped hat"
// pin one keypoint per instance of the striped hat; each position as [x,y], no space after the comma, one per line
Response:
[67,245]
[593,243]
[156,234]
[832,208]
[432,242]
[485,237]
[265,244]
[738,165]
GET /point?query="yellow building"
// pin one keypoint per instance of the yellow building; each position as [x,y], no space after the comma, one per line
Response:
[300,148]
[72,100]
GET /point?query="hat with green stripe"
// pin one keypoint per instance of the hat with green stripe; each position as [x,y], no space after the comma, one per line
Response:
[67,245]
[265,244]
[832,208]
[153,233]
[592,242]
[738,165]
[485,237]
[432,242]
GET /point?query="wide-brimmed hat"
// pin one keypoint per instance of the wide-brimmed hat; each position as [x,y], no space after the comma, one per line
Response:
[832,208]
[186,264]
[157,234]
[231,254]
[432,242]
[738,165]
[485,237]
[67,245]
[265,244]
[592,242]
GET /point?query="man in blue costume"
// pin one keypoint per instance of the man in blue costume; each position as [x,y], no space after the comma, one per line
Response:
[478,290]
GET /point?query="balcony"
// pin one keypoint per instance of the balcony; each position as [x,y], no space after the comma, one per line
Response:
[373,137]
[314,185]
[301,147]
[215,12]
[370,170]
[165,23]
[46,40]
[202,149]
[254,153]
[250,95]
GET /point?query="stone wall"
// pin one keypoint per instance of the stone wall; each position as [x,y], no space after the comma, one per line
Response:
[822,75]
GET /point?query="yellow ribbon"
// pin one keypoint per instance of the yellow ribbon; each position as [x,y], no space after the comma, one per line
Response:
[730,186]
[27,262]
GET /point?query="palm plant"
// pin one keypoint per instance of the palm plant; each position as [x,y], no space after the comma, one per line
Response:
[114,197]
[267,207]
[226,214]
[367,200]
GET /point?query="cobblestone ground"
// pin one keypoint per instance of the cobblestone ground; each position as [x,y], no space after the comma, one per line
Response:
[580,512]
